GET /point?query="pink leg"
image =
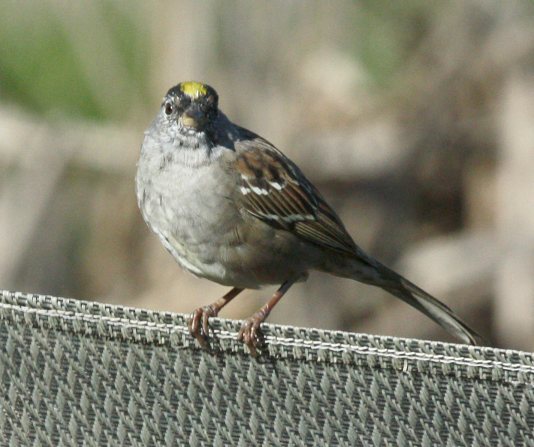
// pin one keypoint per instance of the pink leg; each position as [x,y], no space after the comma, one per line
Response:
[250,332]
[199,322]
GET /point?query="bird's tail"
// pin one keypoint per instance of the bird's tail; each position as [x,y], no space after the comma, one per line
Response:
[426,303]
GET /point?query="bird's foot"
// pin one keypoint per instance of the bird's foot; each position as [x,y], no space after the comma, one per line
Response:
[199,323]
[250,333]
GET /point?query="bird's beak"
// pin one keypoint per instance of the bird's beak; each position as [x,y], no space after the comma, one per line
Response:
[192,118]
[189,121]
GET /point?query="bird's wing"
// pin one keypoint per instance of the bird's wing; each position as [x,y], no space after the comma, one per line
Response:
[272,188]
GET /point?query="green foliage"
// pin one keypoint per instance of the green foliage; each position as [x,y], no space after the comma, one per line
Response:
[46,67]
[388,32]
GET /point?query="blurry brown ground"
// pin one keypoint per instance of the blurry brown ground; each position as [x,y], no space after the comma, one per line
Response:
[415,119]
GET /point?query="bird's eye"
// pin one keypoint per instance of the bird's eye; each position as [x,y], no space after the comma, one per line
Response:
[168,108]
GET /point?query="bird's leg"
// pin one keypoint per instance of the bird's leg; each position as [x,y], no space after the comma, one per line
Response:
[199,322]
[250,332]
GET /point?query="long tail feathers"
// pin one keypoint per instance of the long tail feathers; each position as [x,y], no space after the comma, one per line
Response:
[427,304]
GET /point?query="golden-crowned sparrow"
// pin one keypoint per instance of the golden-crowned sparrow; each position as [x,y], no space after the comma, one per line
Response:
[230,207]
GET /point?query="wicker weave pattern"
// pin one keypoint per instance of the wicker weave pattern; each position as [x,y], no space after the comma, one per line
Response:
[77,373]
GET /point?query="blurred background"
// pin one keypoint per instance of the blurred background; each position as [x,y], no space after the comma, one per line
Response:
[415,119]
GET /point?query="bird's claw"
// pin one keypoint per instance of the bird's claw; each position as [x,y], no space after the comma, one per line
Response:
[199,323]
[250,333]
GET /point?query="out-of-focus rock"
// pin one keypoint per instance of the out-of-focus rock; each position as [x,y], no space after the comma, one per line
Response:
[369,149]
[515,219]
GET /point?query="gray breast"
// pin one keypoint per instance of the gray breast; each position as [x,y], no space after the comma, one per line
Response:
[187,207]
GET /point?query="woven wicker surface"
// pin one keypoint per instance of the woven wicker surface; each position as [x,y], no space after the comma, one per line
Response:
[80,373]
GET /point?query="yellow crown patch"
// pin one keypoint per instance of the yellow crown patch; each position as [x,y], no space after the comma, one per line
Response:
[193,89]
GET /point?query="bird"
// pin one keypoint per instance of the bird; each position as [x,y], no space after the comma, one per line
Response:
[232,208]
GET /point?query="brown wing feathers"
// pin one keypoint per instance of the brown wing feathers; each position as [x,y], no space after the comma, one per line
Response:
[274,190]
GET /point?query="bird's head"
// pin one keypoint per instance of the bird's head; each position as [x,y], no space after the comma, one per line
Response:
[192,106]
